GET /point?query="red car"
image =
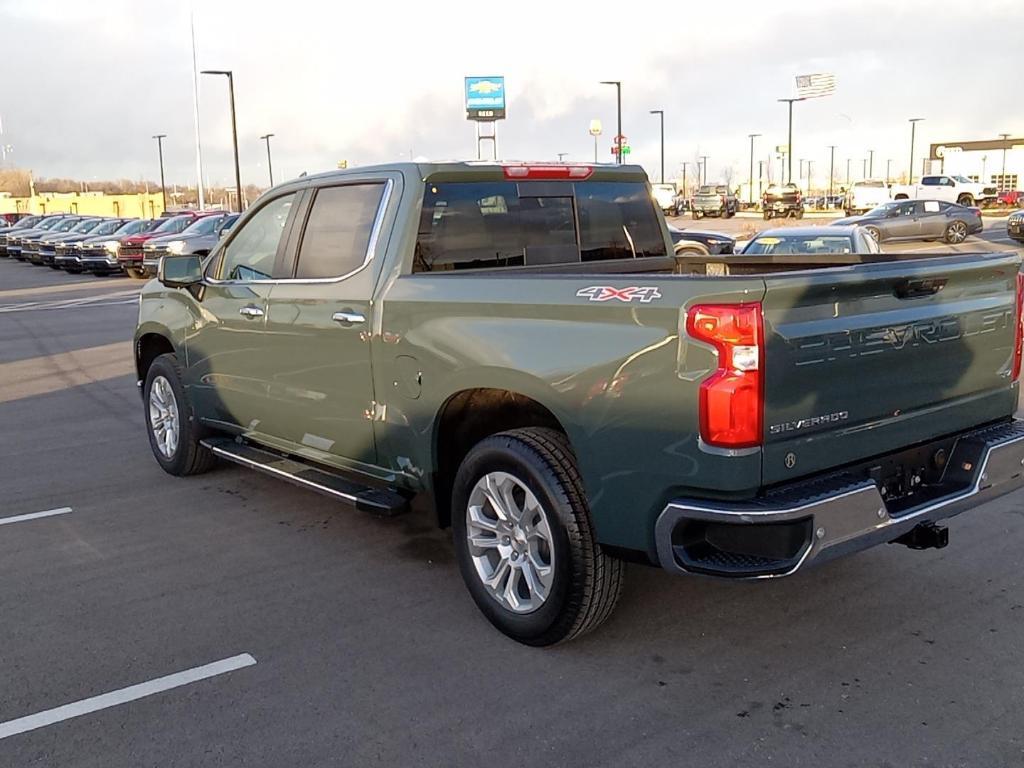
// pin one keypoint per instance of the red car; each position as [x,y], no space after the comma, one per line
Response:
[129,255]
[1013,198]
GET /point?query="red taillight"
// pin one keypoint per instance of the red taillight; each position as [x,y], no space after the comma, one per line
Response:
[551,172]
[1018,337]
[732,398]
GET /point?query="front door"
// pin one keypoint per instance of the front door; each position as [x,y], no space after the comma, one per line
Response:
[906,223]
[319,326]
[228,365]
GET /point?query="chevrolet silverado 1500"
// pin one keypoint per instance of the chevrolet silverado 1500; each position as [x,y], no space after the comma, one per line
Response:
[519,344]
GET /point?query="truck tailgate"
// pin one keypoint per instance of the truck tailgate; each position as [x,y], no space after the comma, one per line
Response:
[869,359]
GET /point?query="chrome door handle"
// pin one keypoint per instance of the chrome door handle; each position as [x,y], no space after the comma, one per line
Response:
[250,312]
[348,318]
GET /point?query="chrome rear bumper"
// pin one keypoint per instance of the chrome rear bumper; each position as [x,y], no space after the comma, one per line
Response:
[824,518]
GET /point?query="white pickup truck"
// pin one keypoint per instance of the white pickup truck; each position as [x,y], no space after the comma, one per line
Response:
[952,189]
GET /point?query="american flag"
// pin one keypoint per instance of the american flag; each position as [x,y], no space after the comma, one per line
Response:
[813,86]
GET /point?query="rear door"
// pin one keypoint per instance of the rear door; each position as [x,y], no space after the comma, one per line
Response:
[868,359]
[932,218]
[319,324]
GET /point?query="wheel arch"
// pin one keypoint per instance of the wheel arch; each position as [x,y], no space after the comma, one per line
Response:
[150,343]
[493,409]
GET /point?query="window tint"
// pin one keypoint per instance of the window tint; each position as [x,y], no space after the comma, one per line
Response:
[470,225]
[251,253]
[930,181]
[338,230]
[204,225]
[617,221]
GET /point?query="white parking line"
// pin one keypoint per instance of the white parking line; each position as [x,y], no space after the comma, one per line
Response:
[124,695]
[34,516]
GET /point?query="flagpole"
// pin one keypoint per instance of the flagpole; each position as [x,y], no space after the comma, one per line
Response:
[195,110]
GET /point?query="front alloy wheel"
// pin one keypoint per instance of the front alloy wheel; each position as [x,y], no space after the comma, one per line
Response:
[510,542]
[163,417]
[956,232]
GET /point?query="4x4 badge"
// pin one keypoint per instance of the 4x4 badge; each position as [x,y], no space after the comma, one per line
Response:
[645,293]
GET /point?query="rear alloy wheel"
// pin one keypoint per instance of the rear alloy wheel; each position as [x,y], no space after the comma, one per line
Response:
[965,200]
[524,541]
[956,232]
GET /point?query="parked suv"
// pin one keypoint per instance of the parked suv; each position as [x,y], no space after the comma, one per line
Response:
[714,200]
[515,344]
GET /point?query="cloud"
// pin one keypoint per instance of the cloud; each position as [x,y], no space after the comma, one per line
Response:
[370,82]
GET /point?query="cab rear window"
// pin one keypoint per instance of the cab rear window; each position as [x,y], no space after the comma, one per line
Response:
[481,225]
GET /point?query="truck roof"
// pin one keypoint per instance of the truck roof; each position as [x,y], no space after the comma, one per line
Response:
[489,170]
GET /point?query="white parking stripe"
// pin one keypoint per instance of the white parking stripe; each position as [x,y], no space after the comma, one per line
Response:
[124,695]
[34,516]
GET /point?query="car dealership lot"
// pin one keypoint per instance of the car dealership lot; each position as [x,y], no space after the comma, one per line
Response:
[368,650]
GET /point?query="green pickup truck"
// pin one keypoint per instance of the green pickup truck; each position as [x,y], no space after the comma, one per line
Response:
[519,345]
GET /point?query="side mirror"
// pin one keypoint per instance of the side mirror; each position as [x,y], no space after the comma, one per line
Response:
[180,271]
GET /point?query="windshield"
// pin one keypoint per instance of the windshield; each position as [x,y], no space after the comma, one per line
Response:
[961,179]
[27,222]
[49,224]
[204,226]
[787,244]
[706,190]
[871,184]
[173,226]
[107,227]
[882,209]
[86,226]
[65,225]
[132,227]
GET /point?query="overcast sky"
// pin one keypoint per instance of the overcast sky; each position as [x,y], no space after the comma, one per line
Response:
[86,84]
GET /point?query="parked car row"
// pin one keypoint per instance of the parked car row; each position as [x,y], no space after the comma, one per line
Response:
[105,245]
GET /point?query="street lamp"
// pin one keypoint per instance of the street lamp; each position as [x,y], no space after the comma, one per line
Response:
[704,163]
[871,163]
[618,116]
[752,136]
[888,170]
[661,114]
[910,169]
[160,151]
[270,167]
[1002,175]
[595,131]
[864,168]
[234,127]
[789,146]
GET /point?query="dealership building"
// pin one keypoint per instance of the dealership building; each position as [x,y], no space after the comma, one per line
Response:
[998,161]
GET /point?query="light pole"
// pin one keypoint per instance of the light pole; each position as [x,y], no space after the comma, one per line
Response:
[234,127]
[270,166]
[704,163]
[789,145]
[160,151]
[661,115]
[984,159]
[684,179]
[752,136]
[910,168]
[888,170]
[618,117]
[871,163]
[1002,175]
[831,169]
[864,168]
[809,172]
[847,173]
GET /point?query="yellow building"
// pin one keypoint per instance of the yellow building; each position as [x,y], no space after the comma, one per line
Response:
[143,206]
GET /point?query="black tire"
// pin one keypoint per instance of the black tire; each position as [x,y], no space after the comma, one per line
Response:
[965,200]
[695,215]
[799,213]
[875,233]
[767,215]
[956,232]
[135,273]
[189,457]
[586,583]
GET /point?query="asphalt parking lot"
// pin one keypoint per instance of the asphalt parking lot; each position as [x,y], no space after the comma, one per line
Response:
[229,619]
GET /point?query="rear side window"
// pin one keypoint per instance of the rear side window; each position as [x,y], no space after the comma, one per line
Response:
[474,225]
[338,230]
